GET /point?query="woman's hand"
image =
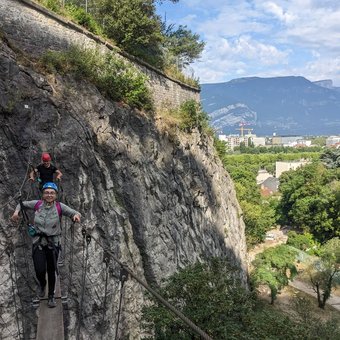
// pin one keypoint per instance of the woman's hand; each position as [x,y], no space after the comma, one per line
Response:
[76,218]
[15,216]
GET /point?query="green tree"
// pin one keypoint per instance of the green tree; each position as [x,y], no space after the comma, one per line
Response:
[83,18]
[134,26]
[182,46]
[258,218]
[274,267]
[221,147]
[323,271]
[309,201]
[210,294]
[303,242]
[331,158]
[314,327]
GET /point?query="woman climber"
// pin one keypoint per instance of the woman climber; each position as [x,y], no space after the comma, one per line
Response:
[46,234]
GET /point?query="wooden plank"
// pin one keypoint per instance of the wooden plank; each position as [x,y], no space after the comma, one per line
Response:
[50,320]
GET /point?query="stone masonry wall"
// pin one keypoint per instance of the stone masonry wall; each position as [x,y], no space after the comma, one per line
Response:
[34,30]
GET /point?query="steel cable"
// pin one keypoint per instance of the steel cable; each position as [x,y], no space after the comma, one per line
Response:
[88,240]
[106,260]
[13,289]
[123,278]
[179,314]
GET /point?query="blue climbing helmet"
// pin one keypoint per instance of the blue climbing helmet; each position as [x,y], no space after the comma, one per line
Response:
[50,185]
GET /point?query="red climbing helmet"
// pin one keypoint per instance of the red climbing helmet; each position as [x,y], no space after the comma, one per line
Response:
[45,157]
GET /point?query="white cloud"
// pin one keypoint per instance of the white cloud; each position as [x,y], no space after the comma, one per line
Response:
[245,47]
[279,12]
[237,57]
[324,68]
[232,21]
[266,38]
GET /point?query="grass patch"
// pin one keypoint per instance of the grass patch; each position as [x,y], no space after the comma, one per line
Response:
[115,78]
[188,116]
[74,13]
[173,72]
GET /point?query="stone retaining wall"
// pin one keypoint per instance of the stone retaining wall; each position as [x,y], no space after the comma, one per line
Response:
[34,29]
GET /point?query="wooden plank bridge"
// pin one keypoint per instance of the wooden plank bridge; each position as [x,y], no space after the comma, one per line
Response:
[51,320]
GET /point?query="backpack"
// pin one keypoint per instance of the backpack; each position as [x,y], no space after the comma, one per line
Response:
[58,206]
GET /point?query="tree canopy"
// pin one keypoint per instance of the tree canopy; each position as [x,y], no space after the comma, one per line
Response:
[331,158]
[310,200]
[134,26]
[274,267]
[323,271]
[211,295]
[182,46]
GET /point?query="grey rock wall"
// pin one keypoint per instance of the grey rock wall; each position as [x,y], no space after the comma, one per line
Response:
[35,30]
[157,199]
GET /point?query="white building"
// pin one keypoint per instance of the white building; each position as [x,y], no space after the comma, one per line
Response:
[258,141]
[281,167]
[333,141]
[234,140]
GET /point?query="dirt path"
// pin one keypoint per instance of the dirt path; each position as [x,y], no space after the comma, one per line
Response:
[333,301]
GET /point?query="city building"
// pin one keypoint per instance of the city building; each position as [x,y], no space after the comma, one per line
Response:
[234,140]
[333,141]
[262,175]
[287,140]
[258,141]
[281,167]
[270,186]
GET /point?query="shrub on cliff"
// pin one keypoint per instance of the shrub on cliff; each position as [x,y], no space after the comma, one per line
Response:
[75,13]
[192,116]
[118,80]
[81,17]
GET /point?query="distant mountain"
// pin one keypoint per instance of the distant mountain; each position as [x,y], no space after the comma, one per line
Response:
[327,83]
[285,105]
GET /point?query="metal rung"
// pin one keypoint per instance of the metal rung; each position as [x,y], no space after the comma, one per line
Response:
[35,303]
[64,300]
[46,298]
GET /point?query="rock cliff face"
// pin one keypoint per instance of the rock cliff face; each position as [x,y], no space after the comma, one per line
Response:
[157,200]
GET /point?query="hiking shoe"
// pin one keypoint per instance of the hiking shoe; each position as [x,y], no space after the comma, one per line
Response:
[51,302]
[42,291]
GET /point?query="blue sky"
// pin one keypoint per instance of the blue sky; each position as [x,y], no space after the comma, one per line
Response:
[246,38]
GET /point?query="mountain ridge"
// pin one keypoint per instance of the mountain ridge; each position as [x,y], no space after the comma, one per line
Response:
[284,105]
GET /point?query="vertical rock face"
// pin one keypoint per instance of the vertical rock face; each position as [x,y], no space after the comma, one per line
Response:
[157,200]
